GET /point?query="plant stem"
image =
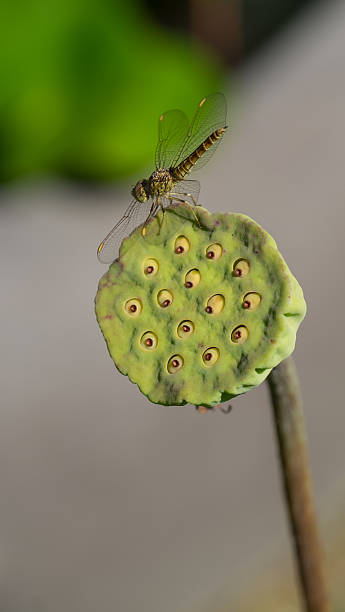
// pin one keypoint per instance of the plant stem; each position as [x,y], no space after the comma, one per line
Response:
[292,444]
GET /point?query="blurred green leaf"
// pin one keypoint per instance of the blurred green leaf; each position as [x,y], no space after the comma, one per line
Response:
[82,85]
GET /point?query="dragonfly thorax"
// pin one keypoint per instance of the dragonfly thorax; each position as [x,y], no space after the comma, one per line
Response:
[141,191]
[160,182]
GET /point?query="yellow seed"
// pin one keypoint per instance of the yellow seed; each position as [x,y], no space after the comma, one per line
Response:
[239,334]
[241,267]
[251,301]
[214,251]
[210,356]
[149,341]
[175,364]
[185,328]
[133,307]
[215,304]
[192,278]
[150,267]
[181,245]
[165,298]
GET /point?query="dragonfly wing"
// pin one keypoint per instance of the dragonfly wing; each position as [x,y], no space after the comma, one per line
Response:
[135,215]
[210,116]
[172,132]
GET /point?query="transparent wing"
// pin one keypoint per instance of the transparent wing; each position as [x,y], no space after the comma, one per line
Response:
[210,116]
[172,131]
[187,190]
[135,215]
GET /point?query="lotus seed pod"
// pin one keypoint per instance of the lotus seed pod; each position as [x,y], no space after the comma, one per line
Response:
[198,314]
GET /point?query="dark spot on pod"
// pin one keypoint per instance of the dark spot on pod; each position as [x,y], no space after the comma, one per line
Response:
[175,363]
[133,308]
[186,328]
[149,269]
[209,309]
[238,272]
[188,284]
[246,304]
[208,357]
[166,303]
[210,254]
[149,342]
[179,250]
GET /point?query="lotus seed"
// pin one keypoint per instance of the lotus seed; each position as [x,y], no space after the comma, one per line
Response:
[151,266]
[240,334]
[214,251]
[241,267]
[149,340]
[175,364]
[251,301]
[133,307]
[164,298]
[192,278]
[181,245]
[211,356]
[185,328]
[216,303]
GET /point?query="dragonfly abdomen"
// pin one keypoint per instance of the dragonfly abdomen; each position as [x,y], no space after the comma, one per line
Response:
[187,164]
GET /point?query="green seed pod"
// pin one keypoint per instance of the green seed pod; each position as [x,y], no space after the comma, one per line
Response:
[198,314]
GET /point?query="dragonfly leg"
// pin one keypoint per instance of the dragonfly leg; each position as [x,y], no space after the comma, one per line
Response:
[175,199]
[187,195]
[163,212]
[143,229]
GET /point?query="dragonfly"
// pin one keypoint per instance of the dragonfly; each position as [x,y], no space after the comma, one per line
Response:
[182,148]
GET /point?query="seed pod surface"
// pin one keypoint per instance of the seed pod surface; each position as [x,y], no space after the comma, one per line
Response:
[210,342]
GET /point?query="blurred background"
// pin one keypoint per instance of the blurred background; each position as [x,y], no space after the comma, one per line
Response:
[109,502]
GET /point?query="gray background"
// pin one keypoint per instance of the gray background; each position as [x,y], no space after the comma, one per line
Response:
[107,501]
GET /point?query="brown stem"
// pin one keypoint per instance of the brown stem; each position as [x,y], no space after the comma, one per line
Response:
[292,443]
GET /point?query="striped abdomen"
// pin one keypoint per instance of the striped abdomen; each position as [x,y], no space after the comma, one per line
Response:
[185,166]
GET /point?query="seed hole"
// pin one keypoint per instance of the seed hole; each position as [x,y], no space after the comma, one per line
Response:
[192,278]
[241,267]
[214,251]
[175,364]
[150,267]
[210,356]
[239,334]
[165,298]
[215,304]
[182,245]
[133,307]
[251,301]
[149,341]
[185,328]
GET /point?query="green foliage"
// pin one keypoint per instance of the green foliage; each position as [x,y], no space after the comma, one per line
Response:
[82,85]
[199,314]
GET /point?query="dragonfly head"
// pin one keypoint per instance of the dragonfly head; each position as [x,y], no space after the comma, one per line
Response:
[140,191]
